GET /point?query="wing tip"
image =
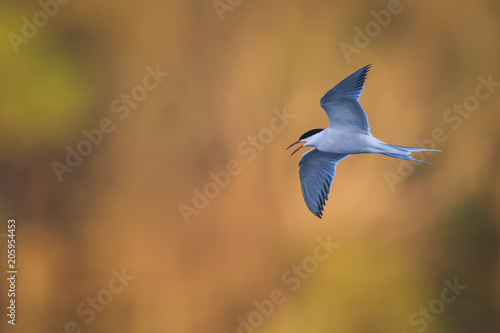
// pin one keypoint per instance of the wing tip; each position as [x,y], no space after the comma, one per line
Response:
[318,213]
[353,83]
[364,73]
[320,208]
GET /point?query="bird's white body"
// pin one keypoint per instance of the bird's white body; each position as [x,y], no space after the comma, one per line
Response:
[343,142]
[348,133]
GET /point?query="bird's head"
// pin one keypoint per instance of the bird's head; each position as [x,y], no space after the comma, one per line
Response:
[306,139]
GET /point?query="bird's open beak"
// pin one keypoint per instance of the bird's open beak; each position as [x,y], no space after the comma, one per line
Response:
[293,144]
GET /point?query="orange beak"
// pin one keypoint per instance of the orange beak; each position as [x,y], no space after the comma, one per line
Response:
[293,144]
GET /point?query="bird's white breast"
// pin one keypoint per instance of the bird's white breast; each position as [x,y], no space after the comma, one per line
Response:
[343,142]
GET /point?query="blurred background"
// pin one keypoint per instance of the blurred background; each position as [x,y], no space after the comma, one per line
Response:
[121,122]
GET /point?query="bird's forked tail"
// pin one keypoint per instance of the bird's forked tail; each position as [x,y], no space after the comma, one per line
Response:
[402,152]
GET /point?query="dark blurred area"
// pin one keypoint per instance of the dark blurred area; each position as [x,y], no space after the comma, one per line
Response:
[142,154]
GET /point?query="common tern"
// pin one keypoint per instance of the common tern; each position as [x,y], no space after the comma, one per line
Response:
[348,133]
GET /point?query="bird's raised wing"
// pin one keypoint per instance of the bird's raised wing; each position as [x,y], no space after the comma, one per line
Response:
[316,171]
[342,106]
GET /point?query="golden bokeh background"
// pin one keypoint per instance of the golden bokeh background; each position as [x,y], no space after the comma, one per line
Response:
[401,229]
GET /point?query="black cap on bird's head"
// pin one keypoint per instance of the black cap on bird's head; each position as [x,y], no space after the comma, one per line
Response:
[304,137]
[310,133]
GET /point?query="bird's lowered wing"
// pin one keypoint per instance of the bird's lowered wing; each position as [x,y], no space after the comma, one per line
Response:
[316,171]
[342,106]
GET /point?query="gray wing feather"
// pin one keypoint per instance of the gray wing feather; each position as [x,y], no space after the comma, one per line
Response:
[316,171]
[341,103]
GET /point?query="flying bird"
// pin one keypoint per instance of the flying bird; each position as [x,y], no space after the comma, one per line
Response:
[348,133]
